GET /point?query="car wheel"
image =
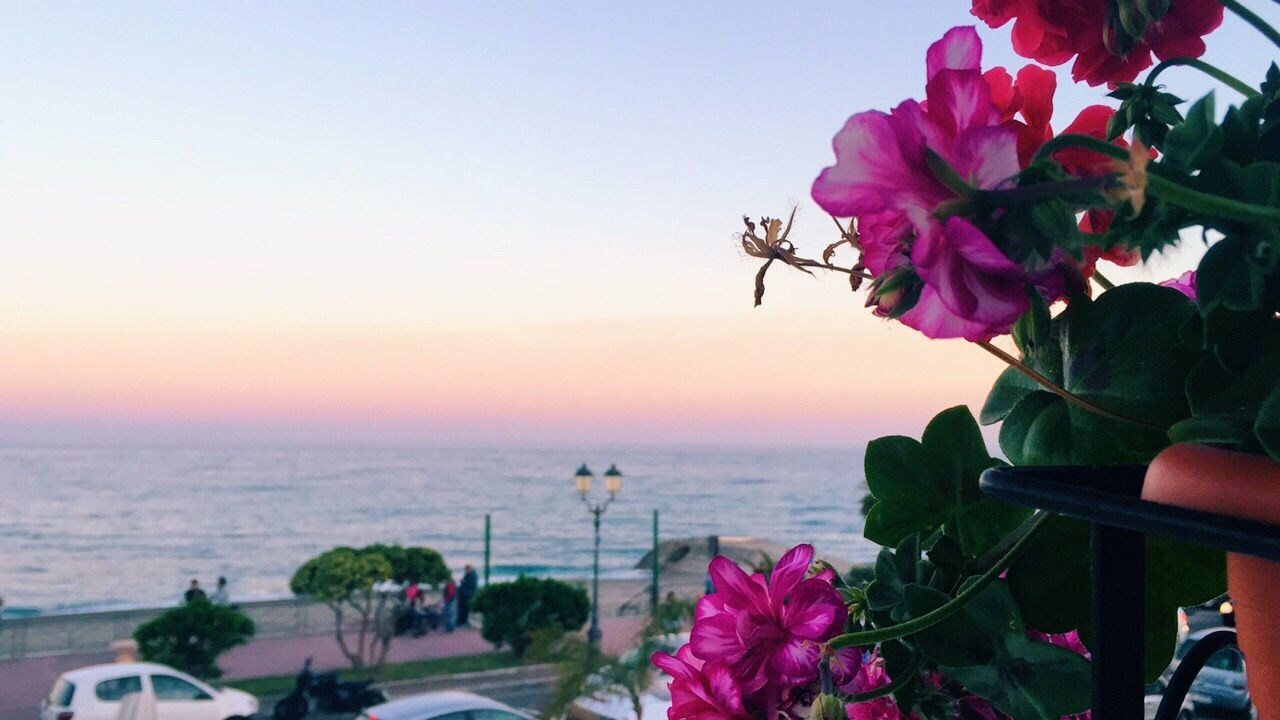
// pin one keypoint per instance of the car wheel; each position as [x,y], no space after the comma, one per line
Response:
[239,717]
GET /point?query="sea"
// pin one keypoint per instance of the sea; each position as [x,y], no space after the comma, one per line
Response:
[87,528]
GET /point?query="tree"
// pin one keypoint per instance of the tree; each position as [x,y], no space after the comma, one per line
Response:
[584,672]
[513,611]
[352,579]
[192,636]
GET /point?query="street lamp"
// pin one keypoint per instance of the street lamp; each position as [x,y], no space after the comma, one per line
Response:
[582,480]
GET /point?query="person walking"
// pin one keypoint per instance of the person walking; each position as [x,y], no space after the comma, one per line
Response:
[194,593]
[450,611]
[221,596]
[466,591]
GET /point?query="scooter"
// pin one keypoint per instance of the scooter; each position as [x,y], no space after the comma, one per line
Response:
[327,693]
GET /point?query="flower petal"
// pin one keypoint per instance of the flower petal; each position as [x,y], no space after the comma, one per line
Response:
[716,638]
[959,49]
[986,156]
[879,164]
[790,570]
[796,661]
[970,274]
[815,611]
[959,100]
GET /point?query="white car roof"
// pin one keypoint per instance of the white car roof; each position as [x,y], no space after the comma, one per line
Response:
[435,704]
[107,671]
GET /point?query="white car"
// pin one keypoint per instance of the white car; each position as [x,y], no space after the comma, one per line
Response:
[444,705]
[95,692]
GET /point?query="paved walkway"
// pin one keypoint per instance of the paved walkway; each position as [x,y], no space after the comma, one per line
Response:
[24,682]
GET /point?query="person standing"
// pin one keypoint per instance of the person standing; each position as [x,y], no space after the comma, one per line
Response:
[221,596]
[466,591]
[194,593]
[450,596]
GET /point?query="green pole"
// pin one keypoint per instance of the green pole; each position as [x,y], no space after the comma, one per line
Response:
[653,588]
[486,549]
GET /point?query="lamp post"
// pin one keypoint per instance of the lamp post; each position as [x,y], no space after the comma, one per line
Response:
[583,479]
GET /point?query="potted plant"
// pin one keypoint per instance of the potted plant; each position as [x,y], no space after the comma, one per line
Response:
[966,215]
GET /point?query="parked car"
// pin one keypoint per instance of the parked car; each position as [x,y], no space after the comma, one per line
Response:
[95,692]
[1220,687]
[445,705]
[1155,694]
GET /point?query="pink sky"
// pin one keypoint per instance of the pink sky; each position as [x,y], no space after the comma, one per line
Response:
[266,222]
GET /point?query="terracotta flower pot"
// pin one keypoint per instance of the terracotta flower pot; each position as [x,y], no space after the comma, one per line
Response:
[1244,486]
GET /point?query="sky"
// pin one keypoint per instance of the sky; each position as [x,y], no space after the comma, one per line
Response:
[457,222]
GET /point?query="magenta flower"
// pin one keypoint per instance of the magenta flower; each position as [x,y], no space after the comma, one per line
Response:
[871,677]
[700,691]
[882,176]
[1184,283]
[768,633]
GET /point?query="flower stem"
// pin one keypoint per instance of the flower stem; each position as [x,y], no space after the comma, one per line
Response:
[1062,392]
[1166,189]
[1248,16]
[1212,71]
[898,683]
[937,615]
[1102,280]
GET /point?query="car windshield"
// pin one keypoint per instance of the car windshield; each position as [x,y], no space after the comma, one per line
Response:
[1229,659]
[62,693]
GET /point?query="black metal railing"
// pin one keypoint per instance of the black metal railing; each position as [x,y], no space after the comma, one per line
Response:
[1109,499]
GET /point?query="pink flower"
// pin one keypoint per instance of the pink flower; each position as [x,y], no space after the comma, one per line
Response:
[1184,283]
[882,176]
[1054,31]
[872,677]
[769,634]
[700,691]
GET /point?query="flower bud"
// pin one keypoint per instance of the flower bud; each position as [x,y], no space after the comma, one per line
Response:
[828,707]
[895,292]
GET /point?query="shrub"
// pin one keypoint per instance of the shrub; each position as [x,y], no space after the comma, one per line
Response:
[348,579]
[192,636]
[513,611]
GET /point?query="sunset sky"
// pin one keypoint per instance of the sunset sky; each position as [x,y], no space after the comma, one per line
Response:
[473,221]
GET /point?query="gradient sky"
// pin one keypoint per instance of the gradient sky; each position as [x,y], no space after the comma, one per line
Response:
[467,221]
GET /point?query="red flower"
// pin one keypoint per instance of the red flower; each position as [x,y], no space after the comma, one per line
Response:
[1054,31]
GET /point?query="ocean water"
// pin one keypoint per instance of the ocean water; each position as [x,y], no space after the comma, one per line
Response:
[95,527]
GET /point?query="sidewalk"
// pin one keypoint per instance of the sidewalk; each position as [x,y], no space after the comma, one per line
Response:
[24,682]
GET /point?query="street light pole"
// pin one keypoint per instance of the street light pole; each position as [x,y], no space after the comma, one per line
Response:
[583,479]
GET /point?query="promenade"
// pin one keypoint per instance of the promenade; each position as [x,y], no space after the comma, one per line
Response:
[25,681]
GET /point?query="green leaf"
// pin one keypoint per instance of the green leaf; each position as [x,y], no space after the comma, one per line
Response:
[932,484]
[1010,387]
[985,647]
[1191,145]
[1267,427]
[1124,353]
[1051,582]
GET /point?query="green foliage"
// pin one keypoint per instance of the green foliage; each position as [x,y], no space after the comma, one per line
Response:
[412,564]
[1053,585]
[932,484]
[339,574]
[985,647]
[1126,353]
[1148,110]
[512,611]
[348,580]
[190,637]
[585,672]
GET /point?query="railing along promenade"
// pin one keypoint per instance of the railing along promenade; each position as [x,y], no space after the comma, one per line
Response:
[76,633]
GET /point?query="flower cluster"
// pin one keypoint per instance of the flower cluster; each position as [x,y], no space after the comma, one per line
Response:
[757,645]
[1106,48]
[898,172]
